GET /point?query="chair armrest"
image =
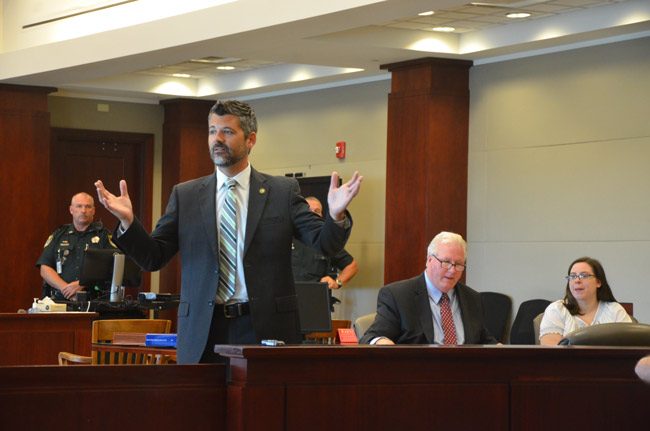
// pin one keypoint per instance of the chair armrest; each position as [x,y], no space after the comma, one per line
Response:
[67,358]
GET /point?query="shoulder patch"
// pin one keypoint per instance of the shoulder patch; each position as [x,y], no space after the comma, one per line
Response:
[48,241]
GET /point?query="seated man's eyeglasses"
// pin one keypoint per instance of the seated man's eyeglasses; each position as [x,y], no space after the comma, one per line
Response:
[581,276]
[448,265]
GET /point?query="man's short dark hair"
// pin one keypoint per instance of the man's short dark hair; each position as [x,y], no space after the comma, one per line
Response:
[241,110]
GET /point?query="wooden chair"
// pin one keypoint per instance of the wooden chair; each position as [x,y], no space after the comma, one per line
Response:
[629,307]
[331,337]
[67,358]
[102,333]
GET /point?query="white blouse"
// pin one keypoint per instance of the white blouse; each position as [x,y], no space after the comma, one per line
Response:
[558,320]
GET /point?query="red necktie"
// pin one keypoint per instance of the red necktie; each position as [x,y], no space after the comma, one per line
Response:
[448,327]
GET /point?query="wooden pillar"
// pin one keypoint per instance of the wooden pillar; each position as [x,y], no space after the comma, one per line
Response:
[24,191]
[426,172]
[185,157]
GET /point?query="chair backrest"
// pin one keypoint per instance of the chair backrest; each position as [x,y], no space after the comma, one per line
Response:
[537,323]
[497,309]
[103,331]
[331,337]
[523,330]
[362,323]
[610,334]
[67,358]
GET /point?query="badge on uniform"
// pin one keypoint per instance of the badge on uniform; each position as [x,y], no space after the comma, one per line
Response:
[95,240]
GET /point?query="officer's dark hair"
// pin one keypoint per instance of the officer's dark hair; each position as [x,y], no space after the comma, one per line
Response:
[241,110]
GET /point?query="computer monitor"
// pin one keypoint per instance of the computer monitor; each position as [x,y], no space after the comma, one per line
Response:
[317,187]
[313,307]
[97,271]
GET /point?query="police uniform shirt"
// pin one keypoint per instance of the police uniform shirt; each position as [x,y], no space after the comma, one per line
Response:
[64,249]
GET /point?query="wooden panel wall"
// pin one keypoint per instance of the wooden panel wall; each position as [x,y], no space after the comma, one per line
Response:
[426,164]
[37,339]
[122,397]
[24,191]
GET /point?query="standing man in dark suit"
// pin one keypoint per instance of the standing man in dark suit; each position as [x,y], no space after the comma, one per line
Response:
[233,230]
[432,308]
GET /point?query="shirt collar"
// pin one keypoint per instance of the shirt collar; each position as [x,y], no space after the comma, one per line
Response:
[243,178]
[433,291]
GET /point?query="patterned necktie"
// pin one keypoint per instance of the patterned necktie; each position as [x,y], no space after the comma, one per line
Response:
[448,327]
[228,243]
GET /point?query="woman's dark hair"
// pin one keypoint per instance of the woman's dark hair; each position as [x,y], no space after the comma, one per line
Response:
[604,292]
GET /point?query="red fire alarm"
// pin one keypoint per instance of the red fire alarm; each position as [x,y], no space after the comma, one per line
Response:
[340,150]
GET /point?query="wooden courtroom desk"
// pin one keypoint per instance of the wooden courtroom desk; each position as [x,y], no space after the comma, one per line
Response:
[116,397]
[37,339]
[435,387]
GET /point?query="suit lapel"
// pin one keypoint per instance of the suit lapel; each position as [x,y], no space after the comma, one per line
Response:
[424,309]
[257,195]
[207,195]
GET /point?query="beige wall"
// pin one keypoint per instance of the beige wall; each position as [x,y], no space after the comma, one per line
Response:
[558,169]
[298,133]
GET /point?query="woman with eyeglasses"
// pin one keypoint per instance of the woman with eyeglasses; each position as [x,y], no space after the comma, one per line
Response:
[588,300]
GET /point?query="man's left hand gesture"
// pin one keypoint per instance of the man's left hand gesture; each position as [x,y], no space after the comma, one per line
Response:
[338,198]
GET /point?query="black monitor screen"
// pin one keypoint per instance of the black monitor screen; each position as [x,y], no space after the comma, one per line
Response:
[317,187]
[313,307]
[97,269]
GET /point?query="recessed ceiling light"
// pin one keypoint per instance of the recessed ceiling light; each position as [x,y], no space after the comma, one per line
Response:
[444,29]
[226,67]
[515,15]
[181,75]
[427,13]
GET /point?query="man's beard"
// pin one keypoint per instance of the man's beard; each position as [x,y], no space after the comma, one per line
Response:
[225,158]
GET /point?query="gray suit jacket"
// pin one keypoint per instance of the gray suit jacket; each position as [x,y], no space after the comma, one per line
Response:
[404,314]
[276,213]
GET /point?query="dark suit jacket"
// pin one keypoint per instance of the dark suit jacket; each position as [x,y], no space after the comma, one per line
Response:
[404,314]
[276,213]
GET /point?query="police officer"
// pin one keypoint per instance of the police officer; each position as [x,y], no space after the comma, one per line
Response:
[60,262]
[309,265]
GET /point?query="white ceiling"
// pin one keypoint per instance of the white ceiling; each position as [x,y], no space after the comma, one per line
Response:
[130,50]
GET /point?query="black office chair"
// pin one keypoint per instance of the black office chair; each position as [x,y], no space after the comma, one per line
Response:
[523,331]
[497,311]
[610,334]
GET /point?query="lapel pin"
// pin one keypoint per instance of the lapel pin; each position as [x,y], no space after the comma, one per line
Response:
[262,190]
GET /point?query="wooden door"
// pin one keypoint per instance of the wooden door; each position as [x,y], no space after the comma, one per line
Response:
[80,157]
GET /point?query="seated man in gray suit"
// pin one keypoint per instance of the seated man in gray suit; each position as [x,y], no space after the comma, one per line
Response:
[432,308]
